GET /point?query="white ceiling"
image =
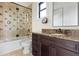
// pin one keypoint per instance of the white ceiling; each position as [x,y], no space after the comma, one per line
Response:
[26,4]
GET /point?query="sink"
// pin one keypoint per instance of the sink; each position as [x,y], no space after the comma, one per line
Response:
[57,35]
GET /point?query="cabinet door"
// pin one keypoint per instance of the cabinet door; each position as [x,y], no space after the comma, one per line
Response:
[64,52]
[67,44]
[36,45]
[52,51]
[44,50]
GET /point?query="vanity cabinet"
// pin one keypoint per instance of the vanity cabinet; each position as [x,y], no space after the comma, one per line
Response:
[44,50]
[52,51]
[60,51]
[36,45]
[68,44]
[47,46]
[43,45]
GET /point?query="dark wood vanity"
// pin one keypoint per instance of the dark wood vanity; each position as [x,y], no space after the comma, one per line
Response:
[43,45]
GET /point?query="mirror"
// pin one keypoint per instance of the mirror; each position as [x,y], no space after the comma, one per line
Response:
[58,17]
[65,14]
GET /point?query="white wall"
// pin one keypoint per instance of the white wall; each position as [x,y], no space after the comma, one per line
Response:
[36,22]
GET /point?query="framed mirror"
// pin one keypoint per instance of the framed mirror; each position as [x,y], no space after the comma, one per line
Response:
[65,14]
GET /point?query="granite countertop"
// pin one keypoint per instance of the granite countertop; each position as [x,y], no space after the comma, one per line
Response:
[60,36]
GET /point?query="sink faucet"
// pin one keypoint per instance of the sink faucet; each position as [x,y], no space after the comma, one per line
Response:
[59,30]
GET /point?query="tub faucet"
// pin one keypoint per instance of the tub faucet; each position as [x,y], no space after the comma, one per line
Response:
[17,35]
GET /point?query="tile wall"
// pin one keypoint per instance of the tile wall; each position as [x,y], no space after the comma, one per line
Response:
[14,20]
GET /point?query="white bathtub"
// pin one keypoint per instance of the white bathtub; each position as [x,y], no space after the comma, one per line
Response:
[14,44]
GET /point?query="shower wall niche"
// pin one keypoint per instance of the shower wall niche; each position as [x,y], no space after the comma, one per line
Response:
[14,20]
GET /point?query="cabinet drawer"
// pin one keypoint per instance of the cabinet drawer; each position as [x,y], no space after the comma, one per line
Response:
[45,41]
[67,44]
[35,36]
[44,37]
[64,52]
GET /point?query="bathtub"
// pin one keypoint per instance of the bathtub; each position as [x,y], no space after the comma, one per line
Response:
[7,46]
